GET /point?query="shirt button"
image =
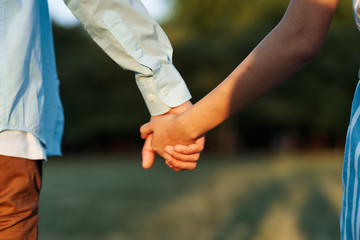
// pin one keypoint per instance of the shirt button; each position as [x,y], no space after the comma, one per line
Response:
[164,91]
[150,98]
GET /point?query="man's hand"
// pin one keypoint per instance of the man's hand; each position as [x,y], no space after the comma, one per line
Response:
[179,157]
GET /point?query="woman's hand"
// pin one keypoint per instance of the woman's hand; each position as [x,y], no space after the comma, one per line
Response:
[165,132]
[176,155]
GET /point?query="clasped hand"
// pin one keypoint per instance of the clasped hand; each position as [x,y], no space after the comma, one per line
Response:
[163,136]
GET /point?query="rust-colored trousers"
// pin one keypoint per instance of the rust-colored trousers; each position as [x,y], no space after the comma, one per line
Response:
[20,183]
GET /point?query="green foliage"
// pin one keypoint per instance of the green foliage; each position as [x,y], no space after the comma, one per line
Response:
[214,15]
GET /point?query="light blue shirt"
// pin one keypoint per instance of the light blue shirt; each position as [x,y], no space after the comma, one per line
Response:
[29,87]
[132,38]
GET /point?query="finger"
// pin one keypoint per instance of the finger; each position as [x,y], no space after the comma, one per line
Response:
[182,157]
[148,155]
[183,165]
[174,168]
[196,147]
[177,169]
[189,157]
[167,158]
[146,129]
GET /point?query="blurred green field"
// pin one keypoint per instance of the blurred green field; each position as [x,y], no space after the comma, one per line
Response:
[252,196]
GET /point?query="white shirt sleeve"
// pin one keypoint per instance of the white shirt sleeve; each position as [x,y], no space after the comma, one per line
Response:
[133,39]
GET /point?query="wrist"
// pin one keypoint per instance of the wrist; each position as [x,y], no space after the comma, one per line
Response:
[181,108]
[175,110]
[184,125]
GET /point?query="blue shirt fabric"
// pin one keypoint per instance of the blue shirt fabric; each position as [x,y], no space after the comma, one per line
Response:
[350,210]
[29,87]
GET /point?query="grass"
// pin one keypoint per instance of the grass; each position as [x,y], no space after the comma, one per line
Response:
[245,197]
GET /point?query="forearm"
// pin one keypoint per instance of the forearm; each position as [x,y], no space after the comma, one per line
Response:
[282,53]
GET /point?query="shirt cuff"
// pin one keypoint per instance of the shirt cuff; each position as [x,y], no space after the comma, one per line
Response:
[163,91]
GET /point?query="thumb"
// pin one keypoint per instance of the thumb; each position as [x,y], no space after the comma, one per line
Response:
[146,130]
[148,155]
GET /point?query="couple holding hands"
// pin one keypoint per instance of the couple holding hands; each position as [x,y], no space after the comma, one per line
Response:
[31,111]
[289,47]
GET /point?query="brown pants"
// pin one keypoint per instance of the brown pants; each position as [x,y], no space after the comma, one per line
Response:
[20,183]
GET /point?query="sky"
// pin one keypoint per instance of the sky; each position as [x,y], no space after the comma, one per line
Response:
[63,16]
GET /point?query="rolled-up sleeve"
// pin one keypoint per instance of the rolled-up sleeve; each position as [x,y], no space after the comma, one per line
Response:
[133,39]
